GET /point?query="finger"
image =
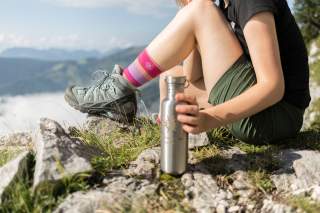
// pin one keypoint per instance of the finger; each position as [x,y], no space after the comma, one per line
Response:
[191,99]
[190,129]
[188,109]
[185,119]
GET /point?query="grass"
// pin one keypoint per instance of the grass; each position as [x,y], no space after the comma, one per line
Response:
[119,157]
[19,197]
[304,203]
[7,155]
[170,194]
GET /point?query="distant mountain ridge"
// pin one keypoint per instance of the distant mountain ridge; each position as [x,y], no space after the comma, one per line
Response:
[21,76]
[53,54]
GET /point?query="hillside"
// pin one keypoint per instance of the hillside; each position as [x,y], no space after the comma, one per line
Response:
[52,54]
[24,76]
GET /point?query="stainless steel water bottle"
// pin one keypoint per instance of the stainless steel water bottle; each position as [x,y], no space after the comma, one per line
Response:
[174,140]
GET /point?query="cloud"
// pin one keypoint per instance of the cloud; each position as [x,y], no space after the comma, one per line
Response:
[143,7]
[72,41]
[22,113]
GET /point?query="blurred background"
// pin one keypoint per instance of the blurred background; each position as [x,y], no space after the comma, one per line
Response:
[46,45]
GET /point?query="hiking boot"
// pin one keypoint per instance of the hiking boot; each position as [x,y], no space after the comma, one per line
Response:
[112,96]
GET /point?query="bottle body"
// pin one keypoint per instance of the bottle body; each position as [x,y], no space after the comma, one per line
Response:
[174,140]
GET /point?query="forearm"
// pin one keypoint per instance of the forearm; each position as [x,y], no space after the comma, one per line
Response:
[253,100]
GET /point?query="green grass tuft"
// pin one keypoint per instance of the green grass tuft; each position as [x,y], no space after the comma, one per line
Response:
[20,198]
[117,156]
[7,155]
[304,203]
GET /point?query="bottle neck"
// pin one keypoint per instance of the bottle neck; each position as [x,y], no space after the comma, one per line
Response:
[173,89]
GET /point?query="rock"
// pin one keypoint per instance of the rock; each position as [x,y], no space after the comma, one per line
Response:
[58,156]
[12,171]
[120,195]
[270,206]
[198,140]
[146,164]
[236,159]
[242,185]
[103,127]
[315,194]
[21,141]
[234,209]
[202,191]
[300,170]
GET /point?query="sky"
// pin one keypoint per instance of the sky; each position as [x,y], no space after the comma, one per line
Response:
[83,24]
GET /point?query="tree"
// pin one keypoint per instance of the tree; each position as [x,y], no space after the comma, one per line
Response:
[307,13]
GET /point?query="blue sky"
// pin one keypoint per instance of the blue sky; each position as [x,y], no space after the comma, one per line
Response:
[82,24]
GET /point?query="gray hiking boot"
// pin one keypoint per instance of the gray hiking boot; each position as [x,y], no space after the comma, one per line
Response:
[112,96]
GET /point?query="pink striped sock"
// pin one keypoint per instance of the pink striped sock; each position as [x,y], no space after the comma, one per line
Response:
[142,70]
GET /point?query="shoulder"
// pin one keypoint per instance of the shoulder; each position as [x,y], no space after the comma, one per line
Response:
[245,9]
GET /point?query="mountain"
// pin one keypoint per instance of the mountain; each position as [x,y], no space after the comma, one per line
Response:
[21,76]
[50,54]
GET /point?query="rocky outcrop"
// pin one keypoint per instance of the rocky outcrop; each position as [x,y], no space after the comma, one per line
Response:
[121,194]
[59,156]
[203,193]
[219,183]
[270,206]
[16,142]
[198,140]
[12,171]
[146,164]
[299,173]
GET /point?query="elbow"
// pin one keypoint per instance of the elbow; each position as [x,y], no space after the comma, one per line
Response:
[278,91]
[275,91]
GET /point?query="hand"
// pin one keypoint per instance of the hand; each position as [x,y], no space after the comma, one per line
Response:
[192,119]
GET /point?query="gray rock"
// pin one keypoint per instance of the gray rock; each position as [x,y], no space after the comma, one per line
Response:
[236,160]
[103,127]
[146,164]
[300,170]
[119,195]
[234,209]
[203,193]
[21,141]
[270,206]
[198,140]
[315,193]
[58,155]
[13,170]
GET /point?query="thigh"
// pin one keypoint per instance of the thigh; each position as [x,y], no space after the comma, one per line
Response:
[218,45]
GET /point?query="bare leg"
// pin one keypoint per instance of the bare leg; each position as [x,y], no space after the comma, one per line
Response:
[199,23]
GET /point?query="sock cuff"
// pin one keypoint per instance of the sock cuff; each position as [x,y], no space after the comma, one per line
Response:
[148,64]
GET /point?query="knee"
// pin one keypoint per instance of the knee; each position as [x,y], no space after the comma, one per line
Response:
[201,7]
[198,7]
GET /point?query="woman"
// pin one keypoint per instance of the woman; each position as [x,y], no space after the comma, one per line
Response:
[246,63]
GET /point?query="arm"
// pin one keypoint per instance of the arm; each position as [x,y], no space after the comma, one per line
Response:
[264,52]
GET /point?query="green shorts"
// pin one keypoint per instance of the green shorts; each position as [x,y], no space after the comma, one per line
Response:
[279,121]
